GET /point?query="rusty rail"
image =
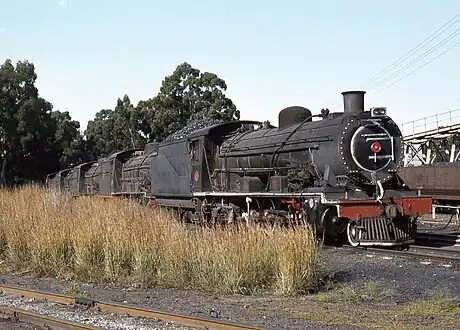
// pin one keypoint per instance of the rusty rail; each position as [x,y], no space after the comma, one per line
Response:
[21,315]
[127,309]
[437,254]
[442,255]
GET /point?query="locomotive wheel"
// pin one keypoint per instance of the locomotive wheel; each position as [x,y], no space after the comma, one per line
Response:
[353,233]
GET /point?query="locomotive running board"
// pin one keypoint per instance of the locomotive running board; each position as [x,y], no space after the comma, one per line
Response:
[322,196]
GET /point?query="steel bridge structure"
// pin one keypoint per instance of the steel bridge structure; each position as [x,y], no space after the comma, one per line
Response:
[432,139]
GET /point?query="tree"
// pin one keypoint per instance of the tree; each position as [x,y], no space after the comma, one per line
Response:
[130,126]
[33,138]
[25,123]
[69,143]
[125,127]
[188,94]
[99,133]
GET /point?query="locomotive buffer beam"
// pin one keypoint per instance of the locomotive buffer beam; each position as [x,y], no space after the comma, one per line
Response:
[383,223]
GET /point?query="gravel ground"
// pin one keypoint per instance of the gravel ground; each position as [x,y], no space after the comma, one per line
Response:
[83,315]
[10,325]
[363,291]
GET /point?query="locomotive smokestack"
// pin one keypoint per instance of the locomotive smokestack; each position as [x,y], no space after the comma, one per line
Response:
[353,101]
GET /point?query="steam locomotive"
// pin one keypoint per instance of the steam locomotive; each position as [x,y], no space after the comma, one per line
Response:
[335,171]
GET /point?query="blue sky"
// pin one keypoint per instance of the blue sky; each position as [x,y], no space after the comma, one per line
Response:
[271,54]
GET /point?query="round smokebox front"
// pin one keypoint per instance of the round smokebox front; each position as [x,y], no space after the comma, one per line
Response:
[372,147]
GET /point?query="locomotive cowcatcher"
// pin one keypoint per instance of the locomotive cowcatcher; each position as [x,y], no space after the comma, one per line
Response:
[336,171]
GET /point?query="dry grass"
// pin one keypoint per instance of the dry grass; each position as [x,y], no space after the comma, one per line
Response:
[375,305]
[94,239]
[369,292]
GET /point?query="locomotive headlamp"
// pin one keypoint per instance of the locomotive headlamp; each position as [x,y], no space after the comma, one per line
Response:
[379,112]
[376,147]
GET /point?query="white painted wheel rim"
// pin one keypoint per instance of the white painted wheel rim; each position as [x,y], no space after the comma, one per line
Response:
[351,233]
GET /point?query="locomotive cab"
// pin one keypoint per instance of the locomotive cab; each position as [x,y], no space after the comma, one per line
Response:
[202,150]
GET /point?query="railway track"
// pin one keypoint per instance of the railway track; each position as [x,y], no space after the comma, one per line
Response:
[42,321]
[435,247]
[430,253]
[434,239]
[111,307]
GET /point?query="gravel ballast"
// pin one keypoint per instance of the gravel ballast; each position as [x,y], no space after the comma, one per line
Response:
[83,315]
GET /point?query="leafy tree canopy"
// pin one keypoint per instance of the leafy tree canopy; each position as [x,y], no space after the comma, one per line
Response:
[188,94]
[36,140]
[123,128]
[184,95]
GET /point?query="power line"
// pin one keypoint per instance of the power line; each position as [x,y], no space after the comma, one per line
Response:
[429,51]
[418,68]
[420,45]
[427,40]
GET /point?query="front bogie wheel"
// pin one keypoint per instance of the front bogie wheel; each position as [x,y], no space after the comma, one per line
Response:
[353,234]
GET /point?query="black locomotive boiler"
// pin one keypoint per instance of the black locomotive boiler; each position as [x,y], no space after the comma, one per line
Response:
[337,171]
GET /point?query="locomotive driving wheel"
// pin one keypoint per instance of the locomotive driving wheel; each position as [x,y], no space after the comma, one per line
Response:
[353,234]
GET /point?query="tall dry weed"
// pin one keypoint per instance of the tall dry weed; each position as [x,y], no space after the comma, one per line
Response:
[95,239]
